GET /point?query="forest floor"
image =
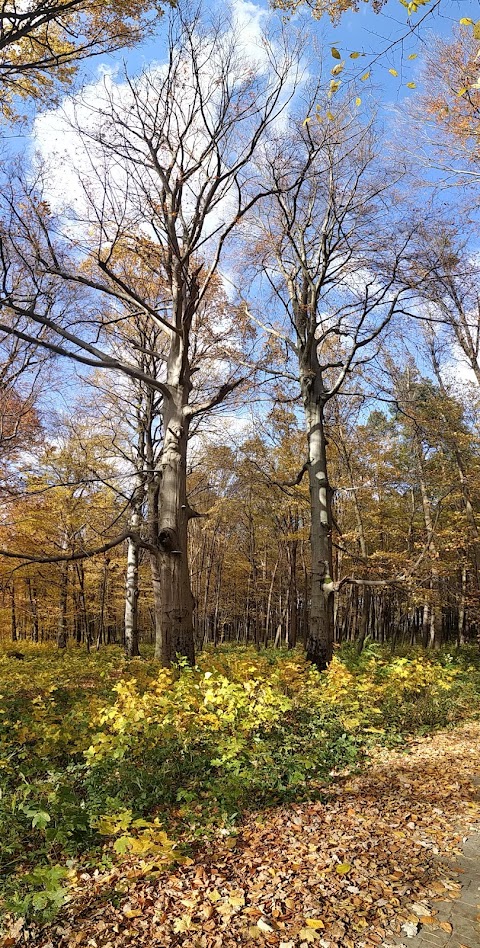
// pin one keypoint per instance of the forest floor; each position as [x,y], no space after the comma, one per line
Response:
[388,857]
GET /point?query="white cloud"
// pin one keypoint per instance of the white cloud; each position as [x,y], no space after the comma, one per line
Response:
[457,369]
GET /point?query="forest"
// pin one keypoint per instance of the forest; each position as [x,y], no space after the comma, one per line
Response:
[240,472]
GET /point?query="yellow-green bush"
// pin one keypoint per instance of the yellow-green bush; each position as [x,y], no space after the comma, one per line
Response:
[97,751]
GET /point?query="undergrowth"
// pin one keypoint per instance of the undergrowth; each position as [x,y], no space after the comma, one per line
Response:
[104,760]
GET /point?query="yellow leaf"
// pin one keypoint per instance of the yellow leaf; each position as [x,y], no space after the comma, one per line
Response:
[342,868]
[358,100]
[308,934]
[334,86]
[264,926]
[132,913]
[307,120]
[365,76]
[337,69]
[183,924]
[335,53]
[476,30]
[315,923]
[466,21]
[236,900]
[462,91]
[413,55]
[355,55]
[214,896]
[393,72]
[411,85]
[446,927]
[330,116]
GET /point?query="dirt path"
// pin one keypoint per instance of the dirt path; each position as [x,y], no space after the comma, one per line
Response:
[453,922]
[365,868]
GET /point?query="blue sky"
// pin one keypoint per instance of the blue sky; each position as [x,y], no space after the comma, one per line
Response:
[364,32]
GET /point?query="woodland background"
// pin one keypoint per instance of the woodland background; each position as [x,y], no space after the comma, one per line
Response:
[239,445]
[328,265]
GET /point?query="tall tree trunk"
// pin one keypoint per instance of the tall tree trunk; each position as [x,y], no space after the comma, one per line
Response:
[320,633]
[170,575]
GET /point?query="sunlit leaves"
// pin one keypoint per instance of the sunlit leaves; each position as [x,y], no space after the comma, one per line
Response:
[38,52]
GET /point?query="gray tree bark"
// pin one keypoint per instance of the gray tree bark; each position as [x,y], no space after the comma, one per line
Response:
[319,645]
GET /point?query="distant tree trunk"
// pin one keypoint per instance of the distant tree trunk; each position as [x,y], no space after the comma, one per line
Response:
[83,606]
[269,601]
[33,610]
[434,631]
[13,612]
[132,592]
[62,633]
[103,600]
[292,594]
[462,608]
[364,617]
[320,633]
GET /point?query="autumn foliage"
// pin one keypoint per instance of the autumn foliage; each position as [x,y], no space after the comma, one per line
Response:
[133,764]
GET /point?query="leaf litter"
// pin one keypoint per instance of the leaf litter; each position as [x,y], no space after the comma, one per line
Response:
[360,869]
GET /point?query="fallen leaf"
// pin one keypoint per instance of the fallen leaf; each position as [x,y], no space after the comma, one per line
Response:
[214,896]
[308,934]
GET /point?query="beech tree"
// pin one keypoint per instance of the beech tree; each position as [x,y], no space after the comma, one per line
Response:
[181,140]
[324,225]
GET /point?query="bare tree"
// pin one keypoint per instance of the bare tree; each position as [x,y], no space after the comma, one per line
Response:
[321,248]
[167,160]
